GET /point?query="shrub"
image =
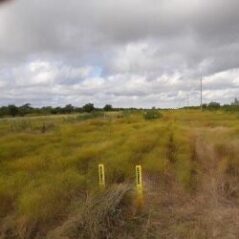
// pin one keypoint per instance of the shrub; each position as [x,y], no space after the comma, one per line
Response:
[213,106]
[100,217]
[91,115]
[152,114]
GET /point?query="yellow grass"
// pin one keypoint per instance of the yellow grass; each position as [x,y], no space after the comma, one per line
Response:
[45,173]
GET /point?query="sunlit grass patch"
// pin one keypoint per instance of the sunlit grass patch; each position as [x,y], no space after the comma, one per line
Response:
[156,161]
[30,164]
[50,197]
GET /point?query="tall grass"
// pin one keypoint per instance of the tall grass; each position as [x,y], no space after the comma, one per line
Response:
[46,175]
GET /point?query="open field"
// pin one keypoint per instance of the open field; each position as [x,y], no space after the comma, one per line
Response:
[49,180]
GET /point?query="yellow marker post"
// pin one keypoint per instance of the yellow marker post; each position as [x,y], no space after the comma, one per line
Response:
[139,187]
[101,170]
[139,180]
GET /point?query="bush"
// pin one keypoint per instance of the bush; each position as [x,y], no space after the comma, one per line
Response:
[100,217]
[152,114]
[92,115]
[213,106]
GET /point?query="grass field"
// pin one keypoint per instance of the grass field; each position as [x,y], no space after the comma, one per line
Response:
[49,180]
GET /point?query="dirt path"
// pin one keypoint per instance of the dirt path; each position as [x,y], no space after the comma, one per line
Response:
[209,212]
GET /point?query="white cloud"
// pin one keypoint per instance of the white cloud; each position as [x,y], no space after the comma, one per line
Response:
[2,84]
[138,52]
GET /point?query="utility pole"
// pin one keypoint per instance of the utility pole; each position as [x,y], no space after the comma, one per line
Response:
[188,99]
[201,90]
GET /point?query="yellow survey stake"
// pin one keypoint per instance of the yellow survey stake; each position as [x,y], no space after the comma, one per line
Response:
[101,169]
[139,180]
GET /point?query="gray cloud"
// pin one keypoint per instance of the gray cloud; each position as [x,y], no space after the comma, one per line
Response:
[138,52]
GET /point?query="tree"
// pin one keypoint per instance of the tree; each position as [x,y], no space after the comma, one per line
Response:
[13,110]
[46,110]
[68,109]
[152,114]
[204,106]
[108,107]
[236,102]
[214,106]
[56,110]
[88,107]
[4,111]
[25,109]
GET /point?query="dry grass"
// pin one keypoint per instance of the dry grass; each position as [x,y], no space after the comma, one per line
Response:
[102,215]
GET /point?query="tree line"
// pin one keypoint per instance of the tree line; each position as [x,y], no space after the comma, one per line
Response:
[234,106]
[28,109]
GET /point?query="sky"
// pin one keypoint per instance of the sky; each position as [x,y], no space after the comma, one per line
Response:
[128,53]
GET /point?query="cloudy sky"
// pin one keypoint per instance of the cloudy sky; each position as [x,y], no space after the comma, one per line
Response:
[139,53]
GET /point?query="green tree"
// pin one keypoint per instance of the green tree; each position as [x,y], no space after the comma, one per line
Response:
[4,111]
[25,109]
[88,107]
[213,106]
[236,102]
[108,107]
[13,110]
[68,109]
